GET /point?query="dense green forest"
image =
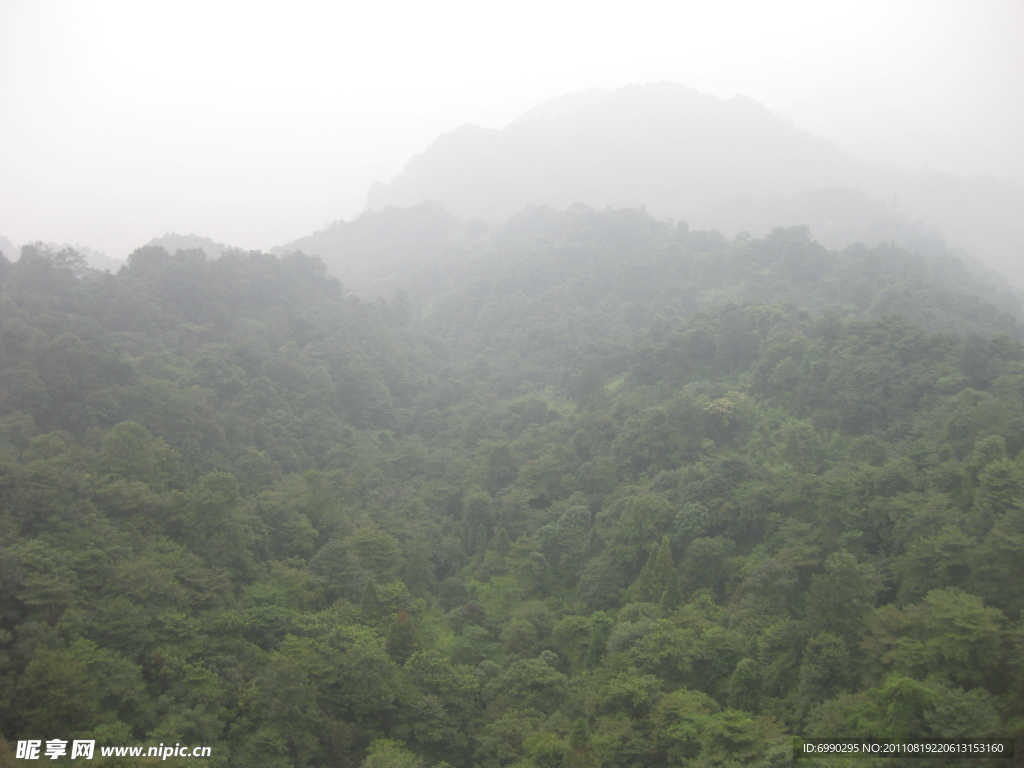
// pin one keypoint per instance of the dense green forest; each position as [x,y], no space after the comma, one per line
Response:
[595,491]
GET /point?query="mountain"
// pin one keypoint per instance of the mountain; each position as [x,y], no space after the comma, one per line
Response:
[682,154]
[664,147]
[172,242]
[375,253]
[598,489]
[91,258]
[8,249]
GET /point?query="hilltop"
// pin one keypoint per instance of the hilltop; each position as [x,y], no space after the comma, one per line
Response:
[729,164]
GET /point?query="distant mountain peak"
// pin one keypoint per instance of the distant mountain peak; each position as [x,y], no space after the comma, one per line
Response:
[682,154]
[659,145]
[561,105]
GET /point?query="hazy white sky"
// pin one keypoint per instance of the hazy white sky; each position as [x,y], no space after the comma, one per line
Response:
[255,123]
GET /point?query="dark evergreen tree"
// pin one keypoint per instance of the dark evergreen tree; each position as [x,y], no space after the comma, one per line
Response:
[403,639]
[369,604]
[580,752]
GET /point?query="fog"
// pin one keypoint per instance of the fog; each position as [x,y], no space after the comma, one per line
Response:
[254,124]
[725,164]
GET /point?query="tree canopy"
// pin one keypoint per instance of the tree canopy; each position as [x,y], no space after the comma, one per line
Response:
[601,491]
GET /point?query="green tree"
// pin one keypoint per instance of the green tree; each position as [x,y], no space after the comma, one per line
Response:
[368,603]
[282,700]
[839,599]
[57,691]
[131,452]
[656,574]
[595,648]
[951,636]
[387,753]
[403,639]
[580,752]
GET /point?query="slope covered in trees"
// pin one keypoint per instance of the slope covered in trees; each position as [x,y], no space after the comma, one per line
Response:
[728,164]
[596,491]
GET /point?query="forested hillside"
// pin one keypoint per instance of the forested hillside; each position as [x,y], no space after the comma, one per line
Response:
[588,489]
[727,164]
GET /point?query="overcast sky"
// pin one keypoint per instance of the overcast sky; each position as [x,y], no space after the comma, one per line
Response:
[256,123]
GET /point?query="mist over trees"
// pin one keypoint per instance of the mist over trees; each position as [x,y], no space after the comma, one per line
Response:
[712,162]
[172,242]
[585,488]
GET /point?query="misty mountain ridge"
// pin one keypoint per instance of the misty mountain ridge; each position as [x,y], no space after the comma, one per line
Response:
[376,253]
[728,164]
[616,468]
[93,258]
[8,249]
[425,255]
[172,241]
[621,150]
